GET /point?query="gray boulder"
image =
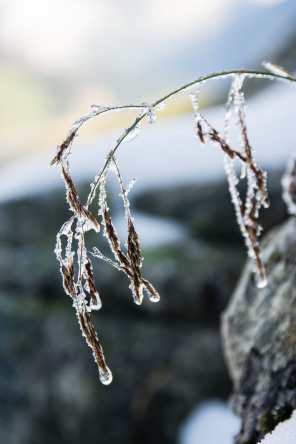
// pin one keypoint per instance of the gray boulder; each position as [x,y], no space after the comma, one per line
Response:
[259,336]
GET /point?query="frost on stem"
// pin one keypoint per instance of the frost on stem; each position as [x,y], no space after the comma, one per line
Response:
[276,69]
[78,281]
[131,261]
[247,211]
[80,285]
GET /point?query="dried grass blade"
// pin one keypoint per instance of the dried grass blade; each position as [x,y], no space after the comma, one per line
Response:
[63,147]
[153,295]
[73,200]
[91,337]
[90,286]
[69,280]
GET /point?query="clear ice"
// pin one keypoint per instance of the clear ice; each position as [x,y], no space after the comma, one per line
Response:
[105,377]
[132,134]
[150,116]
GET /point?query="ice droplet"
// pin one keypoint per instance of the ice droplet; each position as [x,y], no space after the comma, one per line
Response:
[138,301]
[132,134]
[160,106]
[97,108]
[137,294]
[261,283]
[105,377]
[153,297]
[150,117]
[95,305]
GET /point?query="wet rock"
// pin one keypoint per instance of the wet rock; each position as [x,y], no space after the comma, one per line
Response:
[259,331]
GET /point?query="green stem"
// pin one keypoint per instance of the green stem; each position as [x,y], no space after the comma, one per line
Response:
[250,73]
[223,74]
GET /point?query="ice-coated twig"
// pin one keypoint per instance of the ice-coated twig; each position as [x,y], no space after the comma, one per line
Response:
[131,262]
[247,213]
[80,284]
[73,287]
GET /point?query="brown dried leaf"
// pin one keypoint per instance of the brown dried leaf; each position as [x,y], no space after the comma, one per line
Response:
[73,200]
[68,280]
[92,340]
[63,147]
[113,239]
[93,292]
[133,246]
[200,132]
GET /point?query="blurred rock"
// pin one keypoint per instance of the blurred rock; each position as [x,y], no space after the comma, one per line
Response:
[259,331]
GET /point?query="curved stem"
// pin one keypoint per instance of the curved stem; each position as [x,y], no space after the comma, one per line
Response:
[249,73]
[111,154]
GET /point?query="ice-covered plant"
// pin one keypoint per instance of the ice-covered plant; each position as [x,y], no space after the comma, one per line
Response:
[78,281]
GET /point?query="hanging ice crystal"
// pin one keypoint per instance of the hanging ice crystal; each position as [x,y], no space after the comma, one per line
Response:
[105,377]
[131,134]
[150,116]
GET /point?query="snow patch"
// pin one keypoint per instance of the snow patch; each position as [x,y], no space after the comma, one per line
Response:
[212,422]
[284,433]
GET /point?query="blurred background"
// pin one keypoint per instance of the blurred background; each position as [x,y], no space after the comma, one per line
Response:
[58,58]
